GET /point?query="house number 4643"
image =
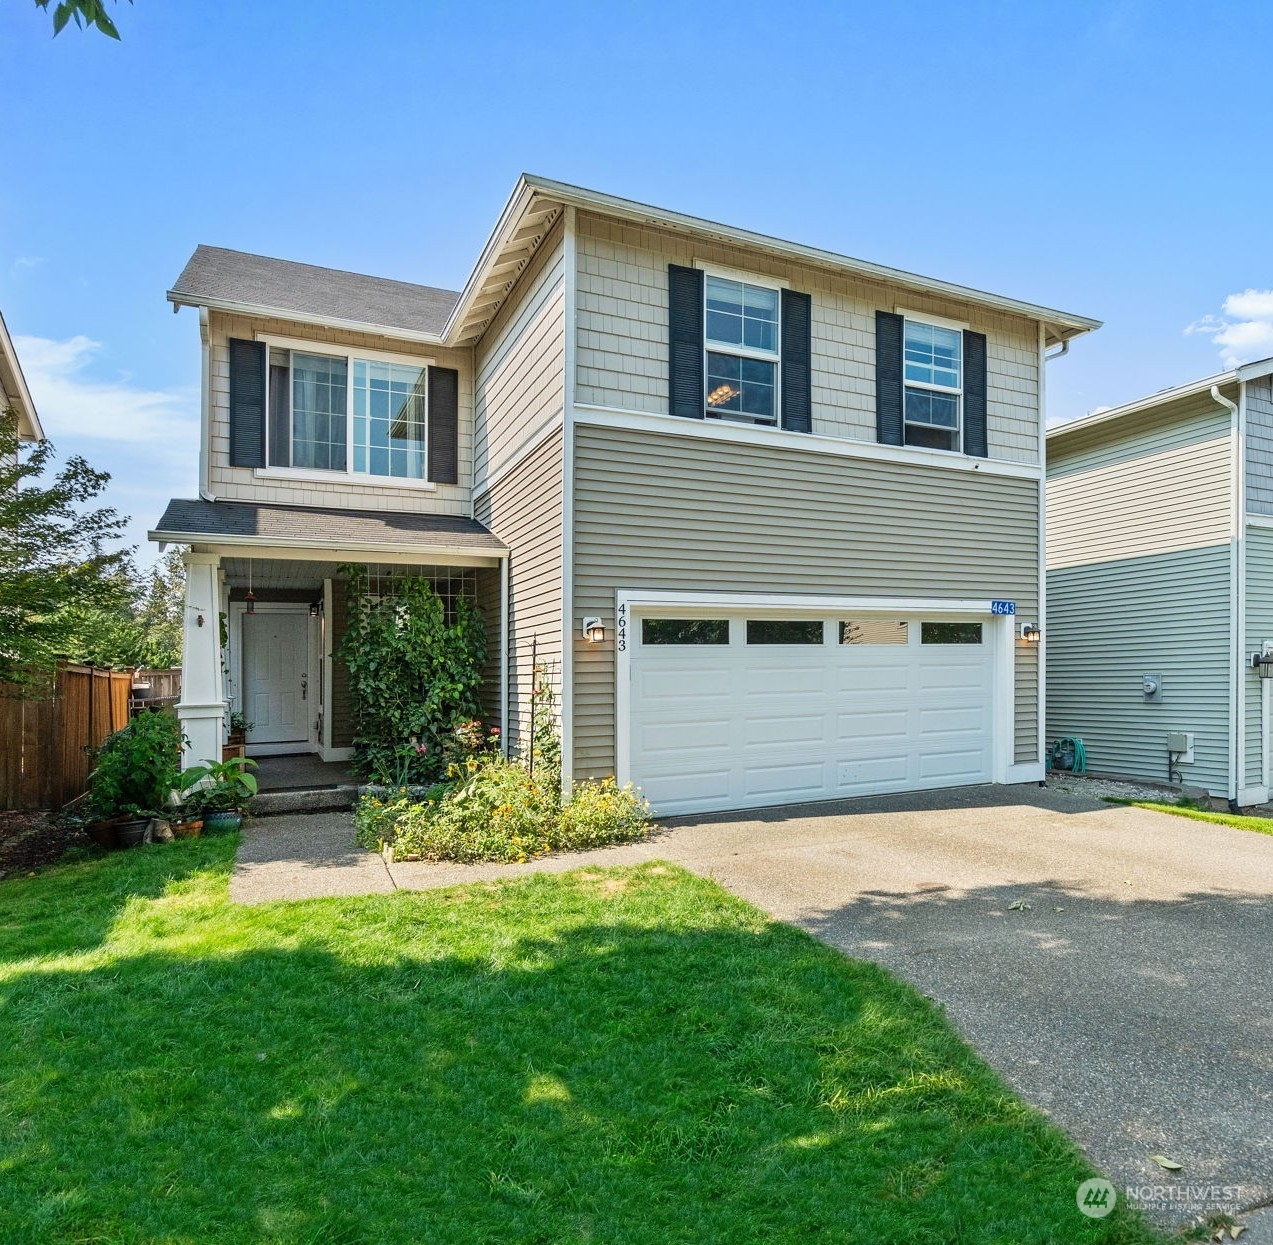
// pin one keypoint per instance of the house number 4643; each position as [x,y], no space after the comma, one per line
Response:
[621,628]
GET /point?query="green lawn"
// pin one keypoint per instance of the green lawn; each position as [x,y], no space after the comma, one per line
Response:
[628,1055]
[1261,825]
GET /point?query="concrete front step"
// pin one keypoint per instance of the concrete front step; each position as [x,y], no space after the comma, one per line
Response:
[316,800]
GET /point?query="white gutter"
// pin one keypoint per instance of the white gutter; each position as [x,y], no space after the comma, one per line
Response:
[1236,549]
[230,539]
[205,407]
[178,299]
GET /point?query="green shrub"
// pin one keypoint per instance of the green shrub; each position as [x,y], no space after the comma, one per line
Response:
[137,767]
[495,809]
[414,671]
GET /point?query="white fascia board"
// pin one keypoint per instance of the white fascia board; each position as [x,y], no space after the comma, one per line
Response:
[15,385]
[228,545]
[1163,396]
[1255,371]
[1064,325]
[263,311]
[641,598]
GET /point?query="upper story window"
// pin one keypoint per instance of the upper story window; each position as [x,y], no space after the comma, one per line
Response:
[933,374]
[319,406]
[741,337]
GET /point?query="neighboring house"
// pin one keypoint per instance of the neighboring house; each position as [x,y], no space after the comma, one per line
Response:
[754,504]
[14,394]
[1160,583]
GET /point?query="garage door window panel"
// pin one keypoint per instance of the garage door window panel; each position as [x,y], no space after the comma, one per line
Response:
[685,631]
[784,631]
[873,631]
[950,633]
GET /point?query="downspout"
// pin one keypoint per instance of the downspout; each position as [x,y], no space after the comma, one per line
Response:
[1236,544]
[205,405]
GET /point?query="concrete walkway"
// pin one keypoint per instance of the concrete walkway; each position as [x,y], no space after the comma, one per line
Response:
[1116,965]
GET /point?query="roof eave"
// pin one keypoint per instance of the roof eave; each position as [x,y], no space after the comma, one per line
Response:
[15,384]
[1192,389]
[1061,326]
[433,549]
[262,310]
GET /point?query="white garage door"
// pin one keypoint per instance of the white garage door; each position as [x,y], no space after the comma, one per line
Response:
[736,711]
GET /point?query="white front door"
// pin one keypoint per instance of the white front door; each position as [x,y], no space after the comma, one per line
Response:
[276,676]
[732,711]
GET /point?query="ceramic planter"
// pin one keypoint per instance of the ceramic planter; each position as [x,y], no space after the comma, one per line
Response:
[102,833]
[131,833]
[213,822]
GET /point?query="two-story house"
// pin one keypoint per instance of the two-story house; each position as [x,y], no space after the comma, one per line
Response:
[774,516]
[1160,584]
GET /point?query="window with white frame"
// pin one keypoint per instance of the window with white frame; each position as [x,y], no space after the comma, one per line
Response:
[741,335]
[934,384]
[320,406]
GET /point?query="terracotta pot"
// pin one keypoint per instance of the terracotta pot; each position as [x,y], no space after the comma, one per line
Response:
[102,833]
[131,832]
[188,829]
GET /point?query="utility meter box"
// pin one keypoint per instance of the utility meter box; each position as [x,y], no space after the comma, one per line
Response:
[1180,745]
[1151,688]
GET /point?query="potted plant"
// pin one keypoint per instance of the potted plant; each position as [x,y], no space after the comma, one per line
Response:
[220,790]
[186,820]
[135,772]
[236,740]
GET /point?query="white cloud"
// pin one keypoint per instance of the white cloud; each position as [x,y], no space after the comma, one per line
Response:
[73,403]
[1244,329]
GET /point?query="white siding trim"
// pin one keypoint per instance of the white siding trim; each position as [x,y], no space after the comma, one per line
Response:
[342,477]
[779,439]
[1041,659]
[1026,771]
[571,276]
[1000,629]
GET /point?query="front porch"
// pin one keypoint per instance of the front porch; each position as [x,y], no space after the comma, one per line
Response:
[265,621]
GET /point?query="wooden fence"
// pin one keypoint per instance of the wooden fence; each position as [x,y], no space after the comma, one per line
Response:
[47,734]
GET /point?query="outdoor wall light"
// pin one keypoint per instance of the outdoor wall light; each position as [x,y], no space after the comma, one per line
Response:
[593,630]
[314,608]
[1030,633]
[1262,664]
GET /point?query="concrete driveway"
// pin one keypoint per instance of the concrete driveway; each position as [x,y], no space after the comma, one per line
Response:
[1116,965]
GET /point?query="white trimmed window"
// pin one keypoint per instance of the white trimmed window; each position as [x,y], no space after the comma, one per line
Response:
[320,407]
[934,389]
[742,348]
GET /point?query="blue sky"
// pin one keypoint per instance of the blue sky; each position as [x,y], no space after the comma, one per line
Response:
[1107,159]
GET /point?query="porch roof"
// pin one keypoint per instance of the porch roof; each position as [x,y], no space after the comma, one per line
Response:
[253,524]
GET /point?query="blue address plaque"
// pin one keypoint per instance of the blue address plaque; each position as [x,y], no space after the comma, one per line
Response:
[1003,607]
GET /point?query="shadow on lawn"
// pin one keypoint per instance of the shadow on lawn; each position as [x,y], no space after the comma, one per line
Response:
[72,907]
[1142,1026]
[621,1083]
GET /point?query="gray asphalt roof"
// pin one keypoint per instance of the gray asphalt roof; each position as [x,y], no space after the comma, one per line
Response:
[316,526]
[217,275]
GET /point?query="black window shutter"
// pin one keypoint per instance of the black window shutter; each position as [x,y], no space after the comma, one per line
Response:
[280,415]
[797,361]
[685,342]
[444,425]
[247,403]
[889,428]
[975,394]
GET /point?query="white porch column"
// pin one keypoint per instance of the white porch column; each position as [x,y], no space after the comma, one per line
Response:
[202,707]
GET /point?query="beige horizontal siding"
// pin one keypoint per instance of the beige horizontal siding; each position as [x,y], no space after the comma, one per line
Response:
[668,512]
[347,492]
[1111,623]
[622,336]
[520,364]
[1259,445]
[524,509]
[1173,499]
[488,601]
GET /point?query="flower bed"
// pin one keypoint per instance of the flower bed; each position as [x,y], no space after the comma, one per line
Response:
[495,809]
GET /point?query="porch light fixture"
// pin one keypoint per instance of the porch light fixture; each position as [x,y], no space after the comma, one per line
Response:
[251,596]
[1262,664]
[315,608]
[593,630]
[1030,633]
